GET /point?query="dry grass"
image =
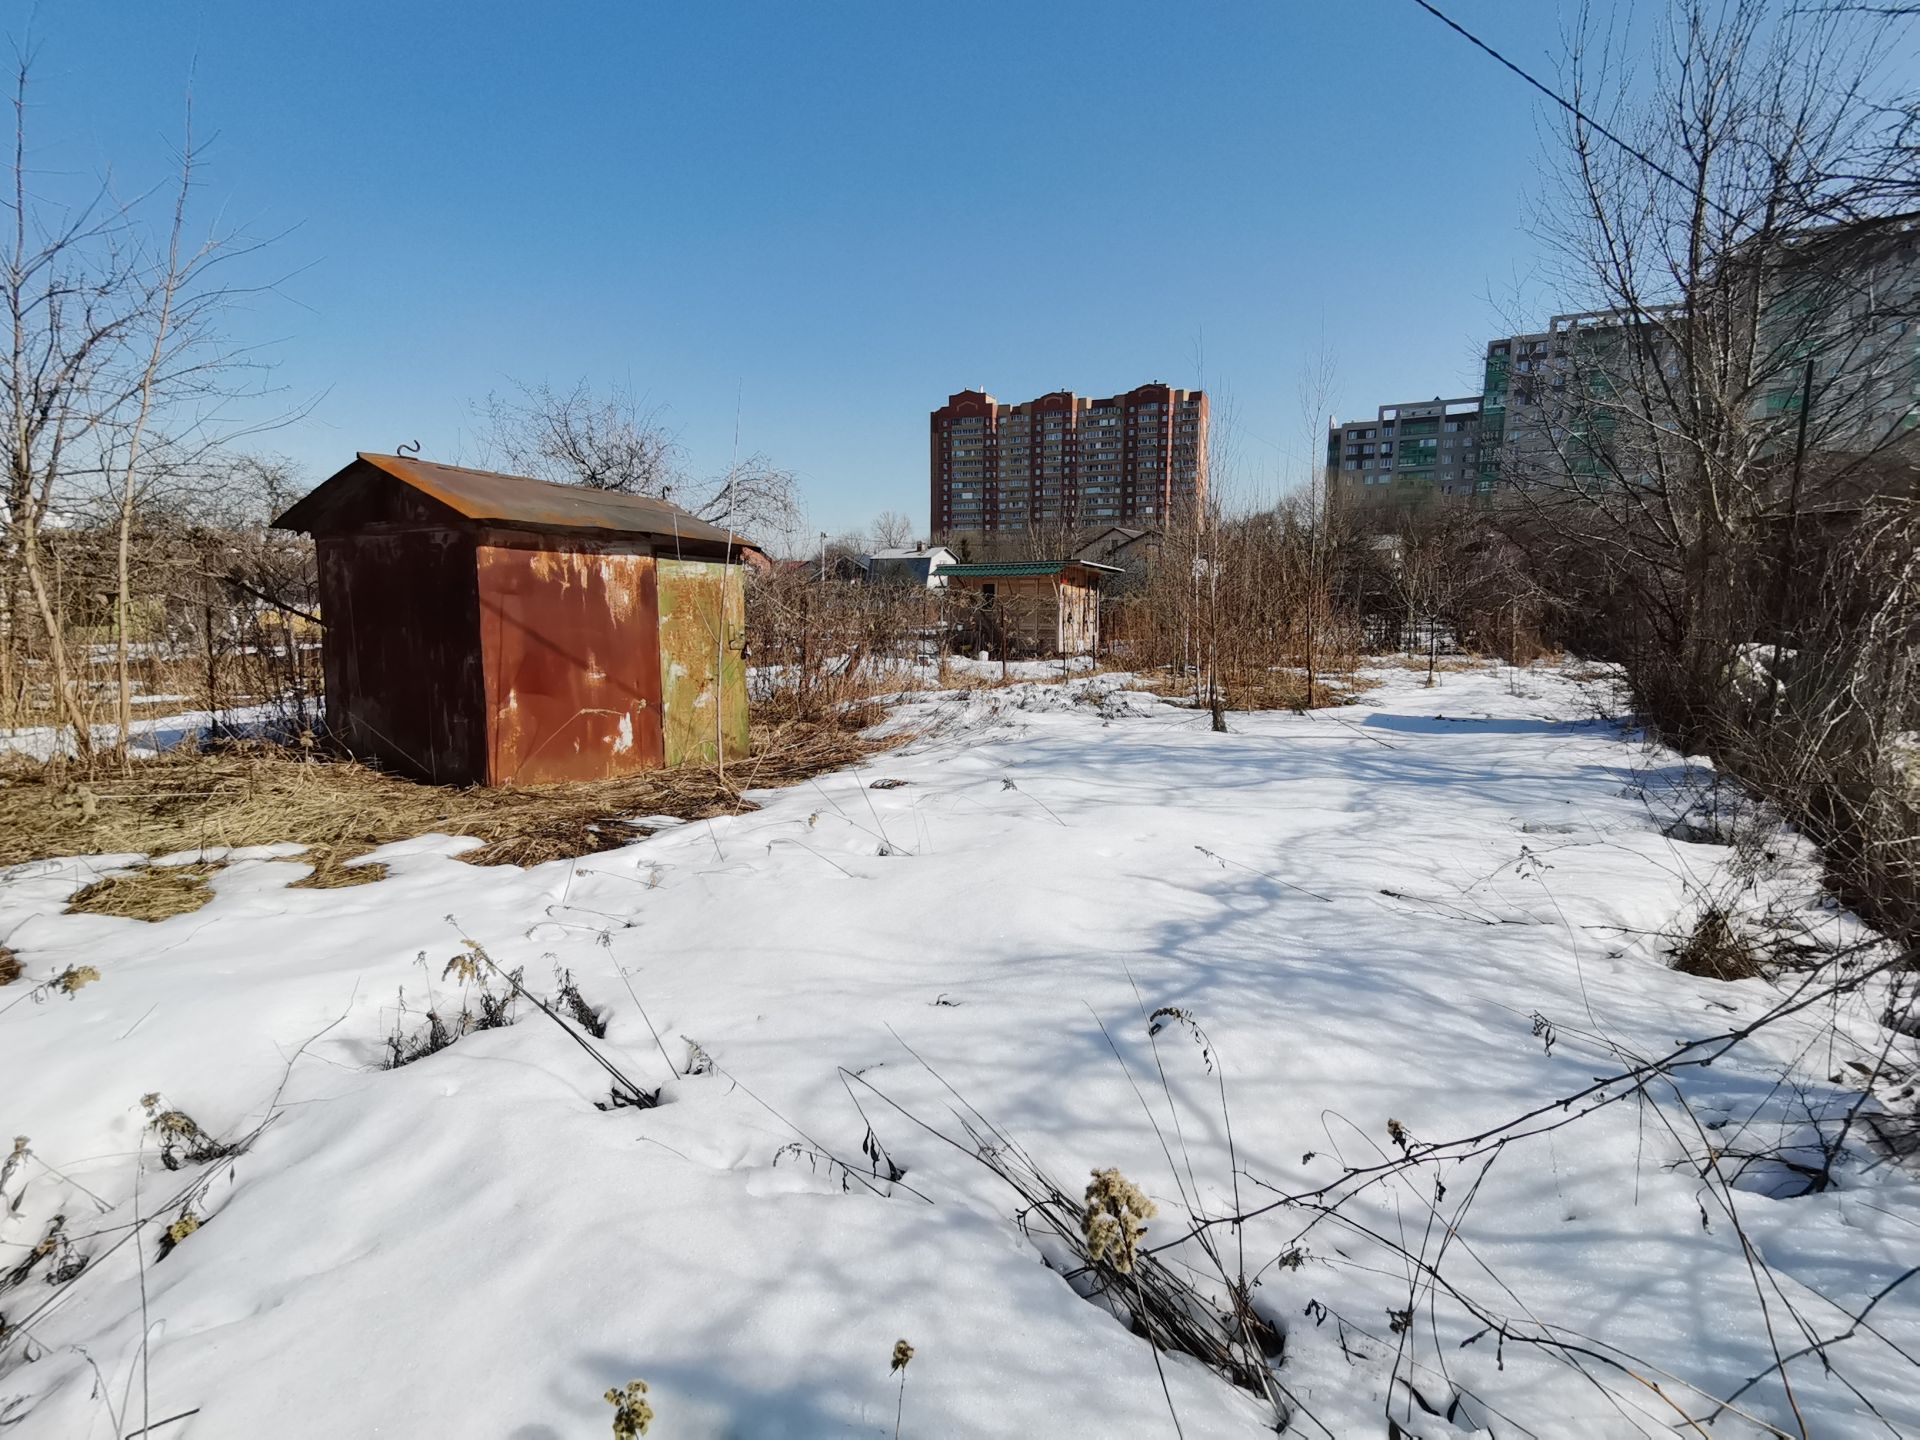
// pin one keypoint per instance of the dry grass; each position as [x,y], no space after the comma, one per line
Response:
[9,966]
[335,871]
[1445,665]
[153,892]
[340,809]
[1282,689]
[1717,951]
[1590,674]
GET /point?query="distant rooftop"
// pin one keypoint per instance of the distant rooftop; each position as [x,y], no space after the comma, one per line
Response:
[1013,568]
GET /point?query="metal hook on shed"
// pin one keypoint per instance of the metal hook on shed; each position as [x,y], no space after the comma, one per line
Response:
[412,447]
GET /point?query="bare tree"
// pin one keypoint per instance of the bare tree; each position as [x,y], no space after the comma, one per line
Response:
[114,378]
[578,437]
[1712,462]
[1315,392]
[609,442]
[891,530]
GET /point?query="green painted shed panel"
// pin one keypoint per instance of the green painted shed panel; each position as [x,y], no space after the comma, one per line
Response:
[703,673]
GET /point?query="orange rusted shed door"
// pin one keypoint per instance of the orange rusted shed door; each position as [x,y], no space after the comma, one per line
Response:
[570,635]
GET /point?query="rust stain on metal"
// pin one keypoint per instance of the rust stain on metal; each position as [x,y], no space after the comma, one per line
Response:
[572,665]
[490,629]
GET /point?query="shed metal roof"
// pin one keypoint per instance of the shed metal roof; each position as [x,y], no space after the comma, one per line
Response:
[1012,568]
[484,495]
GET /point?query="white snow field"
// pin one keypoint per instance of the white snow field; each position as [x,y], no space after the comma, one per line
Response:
[468,1246]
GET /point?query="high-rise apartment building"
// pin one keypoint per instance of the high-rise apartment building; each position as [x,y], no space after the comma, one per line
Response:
[1550,411]
[1582,405]
[1065,461]
[1407,453]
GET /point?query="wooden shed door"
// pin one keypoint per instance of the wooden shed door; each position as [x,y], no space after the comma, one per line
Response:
[703,627]
[570,639]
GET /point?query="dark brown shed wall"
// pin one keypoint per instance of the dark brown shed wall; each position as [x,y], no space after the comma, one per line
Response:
[403,674]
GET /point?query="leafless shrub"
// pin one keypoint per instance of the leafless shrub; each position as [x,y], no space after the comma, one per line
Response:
[1240,609]
[481,1007]
[829,648]
[610,441]
[1721,497]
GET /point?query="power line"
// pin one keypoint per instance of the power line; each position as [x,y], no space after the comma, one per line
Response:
[1568,106]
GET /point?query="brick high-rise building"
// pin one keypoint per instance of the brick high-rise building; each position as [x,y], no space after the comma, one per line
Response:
[1065,461]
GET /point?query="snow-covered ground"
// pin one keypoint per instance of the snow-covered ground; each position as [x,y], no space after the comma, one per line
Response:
[1373,913]
[148,734]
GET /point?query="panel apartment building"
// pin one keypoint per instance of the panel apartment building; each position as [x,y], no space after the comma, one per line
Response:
[1066,461]
[1549,412]
[1407,453]
[1562,406]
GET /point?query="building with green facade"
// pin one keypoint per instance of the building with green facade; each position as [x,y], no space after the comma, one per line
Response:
[1407,454]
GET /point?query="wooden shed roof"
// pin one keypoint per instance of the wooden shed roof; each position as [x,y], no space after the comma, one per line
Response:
[339,503]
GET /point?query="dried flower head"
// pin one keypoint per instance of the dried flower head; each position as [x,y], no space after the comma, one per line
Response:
[902,1353]
[1115,1220]
[48,1242]
[150,1102]
[464,967]
[75,978]
[175,1123]
[183,1227]
[1397,1133]
[631,1412]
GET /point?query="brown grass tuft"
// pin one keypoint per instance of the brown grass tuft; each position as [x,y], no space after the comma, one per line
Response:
[9,966]
[1716,951]
[340,809]
[332,872]
[151,893]
[1445,665]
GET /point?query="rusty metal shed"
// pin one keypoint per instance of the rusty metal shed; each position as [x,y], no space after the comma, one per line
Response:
[494,630]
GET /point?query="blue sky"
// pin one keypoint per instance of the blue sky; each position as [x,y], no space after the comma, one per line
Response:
[832,214]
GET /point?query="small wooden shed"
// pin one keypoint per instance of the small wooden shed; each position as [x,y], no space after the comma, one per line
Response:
[1050,607]
[494,630]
